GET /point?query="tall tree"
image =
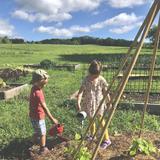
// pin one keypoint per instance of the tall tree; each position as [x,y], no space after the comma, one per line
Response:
[151,33]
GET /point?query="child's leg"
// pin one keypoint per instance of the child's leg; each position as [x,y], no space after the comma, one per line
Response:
[35,138]
[43,140]
[106,136]
[42,133]
[93,128]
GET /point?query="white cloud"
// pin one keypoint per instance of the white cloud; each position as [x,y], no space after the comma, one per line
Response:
[125,29]
[126,3]
[23,15]
[6,29]
[121,19]
[52,10]
[55,31]
[123,23]
[62,31]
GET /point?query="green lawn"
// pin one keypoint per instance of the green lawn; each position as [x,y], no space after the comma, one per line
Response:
[18,54]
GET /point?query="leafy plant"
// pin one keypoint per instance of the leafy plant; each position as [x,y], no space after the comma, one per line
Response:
[83,154]
[71,103]
[47,64]
[142,146]
[2,83]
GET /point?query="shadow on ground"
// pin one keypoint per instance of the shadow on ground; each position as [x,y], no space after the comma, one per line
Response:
[20,148]
[86,58]
[17,149]
[107,58]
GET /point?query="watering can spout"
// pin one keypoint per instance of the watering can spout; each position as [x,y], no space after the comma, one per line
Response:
[81,115]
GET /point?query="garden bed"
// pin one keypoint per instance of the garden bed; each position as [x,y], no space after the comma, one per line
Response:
[32,65]
[117,151]
[12,90]
[139,97]
[139,76]
[70,67]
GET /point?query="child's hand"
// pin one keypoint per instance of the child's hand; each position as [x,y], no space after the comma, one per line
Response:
[55,121]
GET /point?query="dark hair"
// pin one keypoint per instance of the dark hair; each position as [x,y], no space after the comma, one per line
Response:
[95,67]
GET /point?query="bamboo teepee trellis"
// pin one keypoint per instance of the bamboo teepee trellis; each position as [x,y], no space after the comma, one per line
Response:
[137,45]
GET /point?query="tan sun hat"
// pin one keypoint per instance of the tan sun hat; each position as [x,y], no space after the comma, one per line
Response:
[38,75]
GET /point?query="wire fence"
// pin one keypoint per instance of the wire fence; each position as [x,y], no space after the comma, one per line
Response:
[138,80]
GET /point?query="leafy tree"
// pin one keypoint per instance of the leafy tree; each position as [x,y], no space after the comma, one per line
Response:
[152,33]
[5,40]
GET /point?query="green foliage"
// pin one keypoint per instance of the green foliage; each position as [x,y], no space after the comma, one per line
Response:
[83,154]
[71,103]
[5,40]
[142,146]
[47,64]
[2,83]
[152,33]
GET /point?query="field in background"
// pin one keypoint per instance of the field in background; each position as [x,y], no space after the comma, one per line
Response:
[18,54]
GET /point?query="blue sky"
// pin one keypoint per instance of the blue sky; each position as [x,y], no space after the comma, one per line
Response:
[41,19]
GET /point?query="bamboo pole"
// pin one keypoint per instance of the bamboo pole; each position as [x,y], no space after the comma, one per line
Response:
[156,44]
[124,81]
[121,67]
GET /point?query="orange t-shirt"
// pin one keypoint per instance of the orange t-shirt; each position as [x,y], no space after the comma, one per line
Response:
[36,110]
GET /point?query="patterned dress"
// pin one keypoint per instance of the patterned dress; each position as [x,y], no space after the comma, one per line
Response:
[93,94]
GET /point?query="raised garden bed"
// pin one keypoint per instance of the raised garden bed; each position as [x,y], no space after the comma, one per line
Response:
[138,76]
[32,65]
[70,67]
[12,90]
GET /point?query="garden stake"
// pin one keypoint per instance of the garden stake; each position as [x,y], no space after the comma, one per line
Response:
[156,44]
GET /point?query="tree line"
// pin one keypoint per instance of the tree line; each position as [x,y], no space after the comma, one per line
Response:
[72,41]
[81,40]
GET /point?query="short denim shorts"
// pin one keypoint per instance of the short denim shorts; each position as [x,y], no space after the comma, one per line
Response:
[39,126]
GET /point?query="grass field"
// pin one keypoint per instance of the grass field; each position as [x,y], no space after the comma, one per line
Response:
[33,53]
[15,125]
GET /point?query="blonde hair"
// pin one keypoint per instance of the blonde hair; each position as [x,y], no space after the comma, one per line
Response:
[95,67]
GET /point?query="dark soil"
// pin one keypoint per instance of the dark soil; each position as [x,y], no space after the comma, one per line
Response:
[139,97]
[117,151]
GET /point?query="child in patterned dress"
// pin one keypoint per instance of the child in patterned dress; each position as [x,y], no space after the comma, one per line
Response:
[92,90]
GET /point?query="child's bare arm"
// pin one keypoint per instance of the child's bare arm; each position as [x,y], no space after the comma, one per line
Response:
[79,98]
[48,113]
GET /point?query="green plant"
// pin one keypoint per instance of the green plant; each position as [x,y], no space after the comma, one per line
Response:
[83,154]
[47,64]
[2,83]
[142,146]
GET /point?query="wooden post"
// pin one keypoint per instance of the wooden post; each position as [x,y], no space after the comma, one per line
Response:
[156,44]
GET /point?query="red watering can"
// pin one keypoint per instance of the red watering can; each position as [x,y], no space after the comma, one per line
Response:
[56,129]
